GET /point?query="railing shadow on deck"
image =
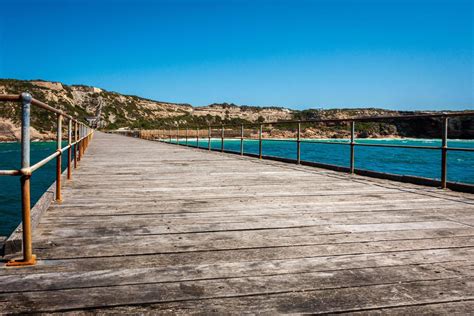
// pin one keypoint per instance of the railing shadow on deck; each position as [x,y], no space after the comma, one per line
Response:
[82,135]
[190,136]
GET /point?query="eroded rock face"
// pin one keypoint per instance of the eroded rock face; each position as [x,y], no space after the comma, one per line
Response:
[10,132]
[124,111]
[57,86]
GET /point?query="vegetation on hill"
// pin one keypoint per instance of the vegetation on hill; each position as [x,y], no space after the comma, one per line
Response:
[127,111]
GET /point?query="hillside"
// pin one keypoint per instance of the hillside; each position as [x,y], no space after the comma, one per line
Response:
[125,111]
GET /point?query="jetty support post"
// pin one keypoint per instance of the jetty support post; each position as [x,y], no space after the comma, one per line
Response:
[209,138]
[222,139]
[242,139]
[260,142]
[28,257]
[352,147]
[444,153]
[298,144]
[59,135]
[69,150]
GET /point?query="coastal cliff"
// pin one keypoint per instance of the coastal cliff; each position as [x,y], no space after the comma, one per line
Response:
[116,110]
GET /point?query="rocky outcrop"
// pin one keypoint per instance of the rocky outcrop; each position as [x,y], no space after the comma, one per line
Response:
[116,110]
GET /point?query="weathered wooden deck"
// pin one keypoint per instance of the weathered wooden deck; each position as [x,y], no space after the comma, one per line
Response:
[152,227]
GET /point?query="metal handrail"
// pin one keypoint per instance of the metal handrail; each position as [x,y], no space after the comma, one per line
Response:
[352,142]
[82,136]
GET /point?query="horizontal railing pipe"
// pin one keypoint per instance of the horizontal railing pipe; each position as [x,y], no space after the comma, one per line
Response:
[352,142]
[44,161]
[82,136]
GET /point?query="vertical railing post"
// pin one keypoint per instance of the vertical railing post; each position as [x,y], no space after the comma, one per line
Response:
[75,145]
[170,135]
[69,150]
[79,128]
[260,142]
[197,137]
[81,142]
[222,138]
[444,153]
[28,257]
[242,139]
[59,135]
[186,136]
[177,135]
[352,165]
[209,138]
[86,130]
[298,144]
[82,148]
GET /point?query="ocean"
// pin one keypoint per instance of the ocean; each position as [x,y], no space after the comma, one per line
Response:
[10,155]
[417,162]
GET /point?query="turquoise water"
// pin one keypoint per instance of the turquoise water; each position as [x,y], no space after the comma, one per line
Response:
[10,154]
[424,162]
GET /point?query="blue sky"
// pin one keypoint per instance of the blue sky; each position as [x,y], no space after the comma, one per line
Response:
[301,54]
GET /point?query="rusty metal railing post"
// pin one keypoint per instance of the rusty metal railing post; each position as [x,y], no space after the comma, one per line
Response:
[209,138]
[197,137]
[28,257]
[352,161]
[87,136]
[83,145]
[242,139]
[69,150]
[59,135]
[298,144]
[75,145]
[79,142]
[222,138]
[444,153]
[170,135]
[186,136]
[260,142]
[177,135]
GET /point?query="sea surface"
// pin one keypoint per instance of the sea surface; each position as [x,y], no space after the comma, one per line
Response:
[10,198]
[417,162]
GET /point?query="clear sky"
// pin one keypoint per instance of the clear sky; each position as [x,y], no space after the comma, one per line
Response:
[398,54]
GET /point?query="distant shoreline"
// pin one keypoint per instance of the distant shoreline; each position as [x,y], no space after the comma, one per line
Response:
[284,139]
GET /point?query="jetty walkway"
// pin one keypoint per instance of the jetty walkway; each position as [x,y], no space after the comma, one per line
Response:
[152,227]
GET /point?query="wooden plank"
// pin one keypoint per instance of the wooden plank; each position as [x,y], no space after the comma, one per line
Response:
[110,277]
[348,300]
[171,229]
[320,292]
[226,261]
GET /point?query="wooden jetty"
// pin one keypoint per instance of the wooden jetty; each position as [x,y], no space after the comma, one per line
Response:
[147,227]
